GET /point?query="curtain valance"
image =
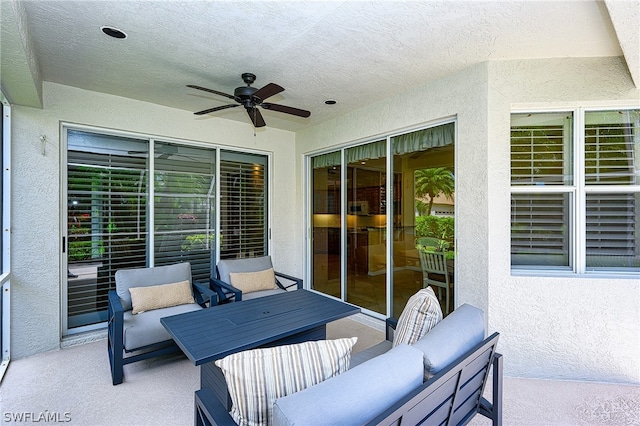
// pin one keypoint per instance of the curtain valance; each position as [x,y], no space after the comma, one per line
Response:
[420,140]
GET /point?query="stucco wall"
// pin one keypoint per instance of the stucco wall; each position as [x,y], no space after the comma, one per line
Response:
[563,327]
[36,241]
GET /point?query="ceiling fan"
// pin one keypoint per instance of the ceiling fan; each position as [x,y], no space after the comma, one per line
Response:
[251,98]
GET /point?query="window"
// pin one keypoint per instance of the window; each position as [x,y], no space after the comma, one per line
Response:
[575,190]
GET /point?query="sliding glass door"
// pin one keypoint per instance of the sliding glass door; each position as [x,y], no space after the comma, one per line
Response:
[374,206]
[138,202]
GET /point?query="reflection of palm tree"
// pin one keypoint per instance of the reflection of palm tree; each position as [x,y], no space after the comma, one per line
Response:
[433,182]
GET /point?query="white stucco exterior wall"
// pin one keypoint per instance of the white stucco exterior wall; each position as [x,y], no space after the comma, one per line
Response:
[36,239]
[563,327]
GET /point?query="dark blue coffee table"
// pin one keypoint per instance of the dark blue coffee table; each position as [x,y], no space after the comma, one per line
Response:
[281,319]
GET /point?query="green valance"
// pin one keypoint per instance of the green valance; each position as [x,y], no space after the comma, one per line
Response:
[420,140]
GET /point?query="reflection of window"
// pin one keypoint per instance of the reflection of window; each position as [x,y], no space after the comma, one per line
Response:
[578,216]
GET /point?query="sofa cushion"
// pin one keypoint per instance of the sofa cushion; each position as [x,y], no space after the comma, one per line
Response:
[421,313]
[250,282]
[145,329]
[256,378]
[452,337]
[357,396]
[160,296]
[252,264]
[141,277]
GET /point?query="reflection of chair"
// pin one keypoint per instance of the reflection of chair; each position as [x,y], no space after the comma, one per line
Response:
[142,333]
[435,273]
[226,288]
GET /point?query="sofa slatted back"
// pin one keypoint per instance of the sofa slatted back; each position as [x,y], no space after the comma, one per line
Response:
[454,395]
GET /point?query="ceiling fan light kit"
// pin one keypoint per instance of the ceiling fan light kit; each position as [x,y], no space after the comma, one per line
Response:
[251,98]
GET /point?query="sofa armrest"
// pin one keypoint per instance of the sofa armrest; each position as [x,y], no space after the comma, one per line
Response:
[203,294]
[115,305]
[225,291]
[295,281]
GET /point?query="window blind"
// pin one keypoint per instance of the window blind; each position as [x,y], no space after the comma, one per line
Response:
[107,219]
[537,155]
[609,155]
[539,229]
[184,207]
[243,205]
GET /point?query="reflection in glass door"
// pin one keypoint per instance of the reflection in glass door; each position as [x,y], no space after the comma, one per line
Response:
[366,226]
[326,208]
[423,213]
[362,224]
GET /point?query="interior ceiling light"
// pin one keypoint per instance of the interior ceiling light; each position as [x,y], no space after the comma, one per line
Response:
[113,32]
[330,102]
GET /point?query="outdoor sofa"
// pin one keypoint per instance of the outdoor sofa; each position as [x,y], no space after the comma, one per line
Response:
[439,379]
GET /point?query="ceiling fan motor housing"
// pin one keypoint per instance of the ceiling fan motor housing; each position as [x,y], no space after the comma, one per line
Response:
[244,92]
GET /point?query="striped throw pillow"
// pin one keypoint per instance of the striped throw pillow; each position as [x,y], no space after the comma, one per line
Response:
[256,378]
[421,313]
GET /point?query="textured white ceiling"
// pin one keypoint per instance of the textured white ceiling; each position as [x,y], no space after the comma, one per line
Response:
[355,52]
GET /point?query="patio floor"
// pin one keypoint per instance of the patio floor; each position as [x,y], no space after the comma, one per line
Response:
[74,384]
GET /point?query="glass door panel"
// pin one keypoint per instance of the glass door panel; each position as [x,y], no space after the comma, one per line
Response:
[184,209]
[106,216]
[424,206]
[326,207]
[366,226]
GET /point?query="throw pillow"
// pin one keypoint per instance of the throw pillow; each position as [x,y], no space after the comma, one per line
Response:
[256,378]
[253,281]
[421,313]
[160,296]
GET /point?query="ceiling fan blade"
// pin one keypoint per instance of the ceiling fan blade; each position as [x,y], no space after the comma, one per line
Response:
[256,117]
[286,109]
[207,111]
[211,91]
[268,91]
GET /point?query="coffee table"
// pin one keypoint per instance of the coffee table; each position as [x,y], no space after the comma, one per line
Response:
[281,319]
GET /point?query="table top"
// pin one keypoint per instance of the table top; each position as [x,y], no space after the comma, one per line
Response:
[213,333]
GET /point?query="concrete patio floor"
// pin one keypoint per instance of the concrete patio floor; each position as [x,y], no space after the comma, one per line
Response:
[73,385]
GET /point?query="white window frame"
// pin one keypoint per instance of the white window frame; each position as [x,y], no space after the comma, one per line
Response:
[577,191]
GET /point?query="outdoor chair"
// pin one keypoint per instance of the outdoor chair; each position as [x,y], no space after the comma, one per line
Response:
[435,273]
[143,296]
[249,278]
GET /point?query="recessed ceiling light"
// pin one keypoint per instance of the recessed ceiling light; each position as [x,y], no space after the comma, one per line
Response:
[330,102]
[113,32]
